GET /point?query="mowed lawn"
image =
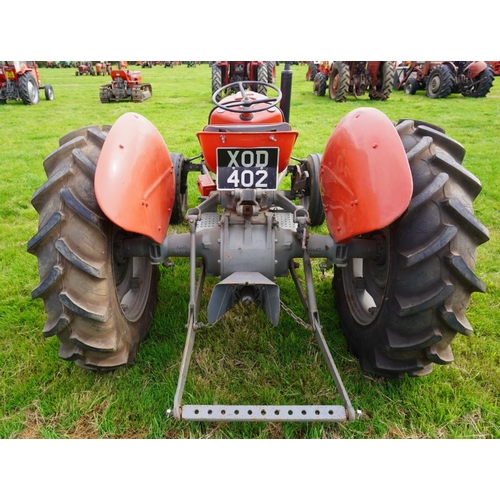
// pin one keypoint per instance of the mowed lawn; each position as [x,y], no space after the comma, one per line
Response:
[242,359]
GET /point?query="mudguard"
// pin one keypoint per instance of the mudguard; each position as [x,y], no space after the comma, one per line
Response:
[365,179]
[134,180]
[475,68]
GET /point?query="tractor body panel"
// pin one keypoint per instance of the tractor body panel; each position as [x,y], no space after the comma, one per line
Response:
[365,178]
[243,145]
[134,181]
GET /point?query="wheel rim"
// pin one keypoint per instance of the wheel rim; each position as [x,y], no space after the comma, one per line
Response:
[132,280]
[435,84]
[32,90]
[335,84]
[365,284]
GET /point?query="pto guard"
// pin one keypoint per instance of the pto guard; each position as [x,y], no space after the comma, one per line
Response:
[134,181]
[365,178]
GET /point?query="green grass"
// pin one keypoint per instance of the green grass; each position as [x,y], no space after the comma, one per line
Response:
[242,359]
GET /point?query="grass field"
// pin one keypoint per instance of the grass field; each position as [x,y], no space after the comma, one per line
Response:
[242,359]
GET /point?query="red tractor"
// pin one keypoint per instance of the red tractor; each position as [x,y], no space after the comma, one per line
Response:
[226,72]
[86,68]
[20,81]
[125,84]
[400,234]
[440,79]
[343,78]
[103,68]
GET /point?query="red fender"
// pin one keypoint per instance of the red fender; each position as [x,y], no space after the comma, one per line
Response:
[134,180]
[475,68]
[365,178]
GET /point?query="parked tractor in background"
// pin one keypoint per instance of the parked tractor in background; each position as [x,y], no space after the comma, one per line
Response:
[321,73]
[103,68]
[20,81]
[125,84]
[400,236]
[85,68]
[355,78]
[440,79]
[226,72]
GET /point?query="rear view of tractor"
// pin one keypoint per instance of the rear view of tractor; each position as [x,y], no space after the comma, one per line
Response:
[355,78]
[85,68]
[440,79]
[20,81]
[226,72]
[471,79]
[125,85]
[393,199]
[103,68]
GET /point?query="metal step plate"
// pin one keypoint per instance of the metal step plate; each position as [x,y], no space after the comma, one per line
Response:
[243,413]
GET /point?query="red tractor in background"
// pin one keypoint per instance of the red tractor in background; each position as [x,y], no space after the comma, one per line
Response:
[85,68]
[103,68]
[125,84]
[399,233]
[315,67]
[226,72]
[19,80]
[440,79]
[343,78]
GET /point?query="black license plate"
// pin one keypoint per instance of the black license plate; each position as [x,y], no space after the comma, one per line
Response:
[249,168]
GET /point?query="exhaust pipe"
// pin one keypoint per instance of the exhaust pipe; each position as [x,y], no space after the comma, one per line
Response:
[286,90]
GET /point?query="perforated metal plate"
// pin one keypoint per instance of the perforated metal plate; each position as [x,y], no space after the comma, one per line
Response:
[243,413]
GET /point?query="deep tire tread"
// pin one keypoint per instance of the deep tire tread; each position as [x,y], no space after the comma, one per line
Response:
[73,247]
[433,258]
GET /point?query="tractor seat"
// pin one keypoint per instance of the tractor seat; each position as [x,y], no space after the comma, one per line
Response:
[265,127]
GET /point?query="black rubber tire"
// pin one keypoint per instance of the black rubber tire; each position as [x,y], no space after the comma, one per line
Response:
[320,83]
[99,305]
[440,82]
[411,86]
[180,201]
[482,85]
[313,202]
[385,81]
[338,85]
[271,71]
[28,89]
[262,76]
[49,92]
[216,79]
[311,71]
[401,311]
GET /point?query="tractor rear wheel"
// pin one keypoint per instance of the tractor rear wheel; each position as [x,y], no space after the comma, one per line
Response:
[216,78]
[271,71]
[440,82]
[339,81]
[481,85]
[262,76]
[28,89]
[319,86]
[98,302]
[401,310]
[385,81]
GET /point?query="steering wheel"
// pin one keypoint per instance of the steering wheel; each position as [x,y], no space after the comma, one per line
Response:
[246,101]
